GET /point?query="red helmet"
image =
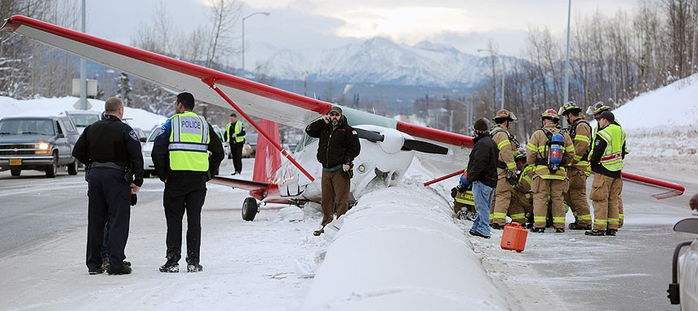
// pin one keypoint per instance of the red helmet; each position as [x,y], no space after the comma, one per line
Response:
[550,114]
[504,114]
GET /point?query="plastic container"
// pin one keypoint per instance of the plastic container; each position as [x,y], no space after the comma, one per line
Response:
[514,237]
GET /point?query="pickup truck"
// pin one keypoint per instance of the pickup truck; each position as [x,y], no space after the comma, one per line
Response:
[42,143]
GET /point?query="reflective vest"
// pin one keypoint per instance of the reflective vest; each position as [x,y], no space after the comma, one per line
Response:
[189,141]
[612,158]
[238,129]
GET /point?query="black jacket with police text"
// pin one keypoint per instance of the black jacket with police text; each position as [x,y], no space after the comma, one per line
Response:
[337,146]
[110,140]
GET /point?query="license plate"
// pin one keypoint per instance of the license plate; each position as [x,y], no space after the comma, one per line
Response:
[15,161]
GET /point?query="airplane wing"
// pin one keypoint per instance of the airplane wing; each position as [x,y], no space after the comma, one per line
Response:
[251,97]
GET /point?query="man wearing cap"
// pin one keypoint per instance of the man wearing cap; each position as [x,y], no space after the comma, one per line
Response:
[606,162]
[338,146]
[482,174]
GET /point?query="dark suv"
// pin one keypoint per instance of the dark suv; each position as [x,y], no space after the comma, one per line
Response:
[38,143]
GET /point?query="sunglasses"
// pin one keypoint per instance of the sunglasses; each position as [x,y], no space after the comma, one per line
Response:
[334,114]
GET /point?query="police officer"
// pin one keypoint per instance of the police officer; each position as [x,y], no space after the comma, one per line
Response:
[506,167]
[576,195]
[548,180]
[111,152]
[606,162]
[235,135]
[181,158]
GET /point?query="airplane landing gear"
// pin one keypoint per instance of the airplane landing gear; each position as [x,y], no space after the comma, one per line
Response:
[250,208]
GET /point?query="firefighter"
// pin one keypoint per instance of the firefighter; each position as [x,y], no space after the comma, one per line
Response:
[521,197]
[606,162]
[506,167]
[463,202]
[550,173]
[577,171]
[595,110]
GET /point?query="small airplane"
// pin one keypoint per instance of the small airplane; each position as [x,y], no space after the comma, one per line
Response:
[387,145]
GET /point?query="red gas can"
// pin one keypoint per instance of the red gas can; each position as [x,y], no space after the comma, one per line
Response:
[514,237]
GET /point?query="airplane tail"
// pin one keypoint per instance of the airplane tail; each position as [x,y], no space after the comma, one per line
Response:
[267,159]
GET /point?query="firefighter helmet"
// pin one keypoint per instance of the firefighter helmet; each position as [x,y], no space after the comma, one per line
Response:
[597,108]
[520,154]
[569,107]
[550,114]
[504,114]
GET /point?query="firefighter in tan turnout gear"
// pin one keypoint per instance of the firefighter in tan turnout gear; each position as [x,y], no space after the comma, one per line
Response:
[549,150]
[606,162]
[521,195]
[577,171]
[506,167]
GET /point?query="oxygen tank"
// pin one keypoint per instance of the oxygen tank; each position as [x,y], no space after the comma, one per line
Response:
[555,153]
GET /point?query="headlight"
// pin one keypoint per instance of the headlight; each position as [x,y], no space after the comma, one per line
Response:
[44,146]
[43,149]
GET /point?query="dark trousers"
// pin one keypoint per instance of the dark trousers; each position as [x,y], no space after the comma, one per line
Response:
[236,150]
[109,200]
[335,190]
[184,194]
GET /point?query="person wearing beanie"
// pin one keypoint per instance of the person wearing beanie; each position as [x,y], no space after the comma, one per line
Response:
[606,161]
[482,174]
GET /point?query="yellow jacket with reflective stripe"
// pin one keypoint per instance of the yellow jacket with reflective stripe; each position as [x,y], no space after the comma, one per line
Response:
[189,139]
[237,130]
[582,144]
[506,147]
[612,158]
[537,149]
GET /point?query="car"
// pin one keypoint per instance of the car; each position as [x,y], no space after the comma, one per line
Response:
[147,149]
[250,147]
[42,143]
[83,118]
[221,134]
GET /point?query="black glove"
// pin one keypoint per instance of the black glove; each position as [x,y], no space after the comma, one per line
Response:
[512,178]
[462,188]
[454,192]
[134,199]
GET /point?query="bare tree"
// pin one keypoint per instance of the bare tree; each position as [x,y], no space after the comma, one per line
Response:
[224,14]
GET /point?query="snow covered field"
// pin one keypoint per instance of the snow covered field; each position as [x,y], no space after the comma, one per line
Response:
[398,249]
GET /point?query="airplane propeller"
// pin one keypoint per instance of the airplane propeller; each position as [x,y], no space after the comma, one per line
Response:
[408,144]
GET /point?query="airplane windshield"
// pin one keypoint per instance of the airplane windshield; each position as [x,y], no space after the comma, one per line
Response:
[306,140]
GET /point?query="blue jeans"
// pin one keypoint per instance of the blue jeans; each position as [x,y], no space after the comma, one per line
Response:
[482,195]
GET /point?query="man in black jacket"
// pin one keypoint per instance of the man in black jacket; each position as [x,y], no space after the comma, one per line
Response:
[482,173]
[111,151]
[338,146]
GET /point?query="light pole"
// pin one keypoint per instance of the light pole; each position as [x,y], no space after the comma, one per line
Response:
[243,35]
[501,59]
[567,57]
[468,114]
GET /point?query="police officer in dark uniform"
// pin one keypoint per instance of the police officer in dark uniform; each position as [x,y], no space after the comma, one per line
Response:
[111,152]
[181,158]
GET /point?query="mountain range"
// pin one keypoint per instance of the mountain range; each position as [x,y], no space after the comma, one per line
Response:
[378,61]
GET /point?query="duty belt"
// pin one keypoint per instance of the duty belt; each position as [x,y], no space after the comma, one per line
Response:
[108,165]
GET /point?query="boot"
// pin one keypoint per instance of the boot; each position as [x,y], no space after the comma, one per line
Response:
[576,226]
[595,232]
[538,230]
[172,264]
[195,268]
[611,232]
[559,230]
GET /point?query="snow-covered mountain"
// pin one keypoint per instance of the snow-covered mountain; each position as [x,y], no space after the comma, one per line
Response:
[379,61]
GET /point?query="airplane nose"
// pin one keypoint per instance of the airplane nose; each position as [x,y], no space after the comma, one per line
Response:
[392,142]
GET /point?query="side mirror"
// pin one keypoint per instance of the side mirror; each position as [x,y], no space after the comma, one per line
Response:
[688,225]
[143,139]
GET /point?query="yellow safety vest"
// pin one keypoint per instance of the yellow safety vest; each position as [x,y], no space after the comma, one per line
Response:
[612,158]
[189,141]
[238,129]
[465,198]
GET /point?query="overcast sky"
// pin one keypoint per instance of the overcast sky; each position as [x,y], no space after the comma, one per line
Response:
[317,24]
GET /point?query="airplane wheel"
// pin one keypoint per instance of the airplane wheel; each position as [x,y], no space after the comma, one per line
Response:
[249,209]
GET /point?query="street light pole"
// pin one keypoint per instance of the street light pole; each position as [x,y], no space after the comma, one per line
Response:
[501,59]
[243,35]
[567,60]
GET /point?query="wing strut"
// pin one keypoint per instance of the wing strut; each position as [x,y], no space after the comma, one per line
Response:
[212,83]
